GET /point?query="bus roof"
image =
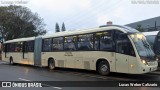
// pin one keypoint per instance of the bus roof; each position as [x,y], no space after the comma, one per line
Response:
[150,33]
[124,29]
[20,39]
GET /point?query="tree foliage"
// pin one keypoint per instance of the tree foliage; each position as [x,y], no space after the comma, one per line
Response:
[19,22]
[63,27]
[140,28]
[57,28]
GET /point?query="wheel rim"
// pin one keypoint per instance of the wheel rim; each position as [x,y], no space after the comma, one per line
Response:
[51,65]
[11,61]
[104,68]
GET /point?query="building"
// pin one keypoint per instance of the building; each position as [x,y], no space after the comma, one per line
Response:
[152,24]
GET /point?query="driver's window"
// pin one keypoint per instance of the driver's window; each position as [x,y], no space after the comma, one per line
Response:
[123,44]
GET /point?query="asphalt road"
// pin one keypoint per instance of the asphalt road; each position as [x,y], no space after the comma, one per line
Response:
[35,74]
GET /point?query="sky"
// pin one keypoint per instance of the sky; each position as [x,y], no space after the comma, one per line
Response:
[83,14]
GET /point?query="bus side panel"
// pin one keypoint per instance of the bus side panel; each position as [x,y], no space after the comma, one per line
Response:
[17,57]
[57,56]
[30,58]
[133,66]
[79,59]
[5,56]
[92,56]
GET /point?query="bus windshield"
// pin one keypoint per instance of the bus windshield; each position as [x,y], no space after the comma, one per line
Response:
[142,46]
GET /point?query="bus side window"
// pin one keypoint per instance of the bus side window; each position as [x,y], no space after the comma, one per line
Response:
[10,47]
[18,46]
[47,45]
[70,43]
[28,46]
[104,41]
[57,44]
[4,47]
[85,42]
[97,41]
[123,45]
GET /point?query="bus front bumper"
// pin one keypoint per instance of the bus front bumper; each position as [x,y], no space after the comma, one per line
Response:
[149,69]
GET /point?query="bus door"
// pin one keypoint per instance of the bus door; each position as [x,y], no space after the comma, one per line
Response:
[37,51]
[124,53]
[121,56]
[25,52]
[6,50]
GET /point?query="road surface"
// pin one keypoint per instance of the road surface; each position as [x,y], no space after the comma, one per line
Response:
[35,74]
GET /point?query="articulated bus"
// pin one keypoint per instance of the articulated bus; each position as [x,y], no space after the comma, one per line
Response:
[110,48]
[153,38]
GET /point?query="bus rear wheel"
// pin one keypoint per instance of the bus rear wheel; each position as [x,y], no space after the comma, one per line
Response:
[51,64]
[11,61]
[103,68]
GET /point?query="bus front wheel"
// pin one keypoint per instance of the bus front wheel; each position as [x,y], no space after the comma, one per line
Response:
[51,64]
[103,68]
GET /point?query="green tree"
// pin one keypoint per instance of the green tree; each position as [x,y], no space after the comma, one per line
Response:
[140,28]
[19,22]
[63,27]
[57,28]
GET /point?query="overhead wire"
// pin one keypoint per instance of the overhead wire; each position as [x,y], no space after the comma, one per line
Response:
[81,17]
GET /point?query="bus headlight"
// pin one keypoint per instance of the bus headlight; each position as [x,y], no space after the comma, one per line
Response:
[157,59]
[144,62]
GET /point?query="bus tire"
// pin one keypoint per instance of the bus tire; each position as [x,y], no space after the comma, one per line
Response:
[103,68]
[51,64]
[11,61]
